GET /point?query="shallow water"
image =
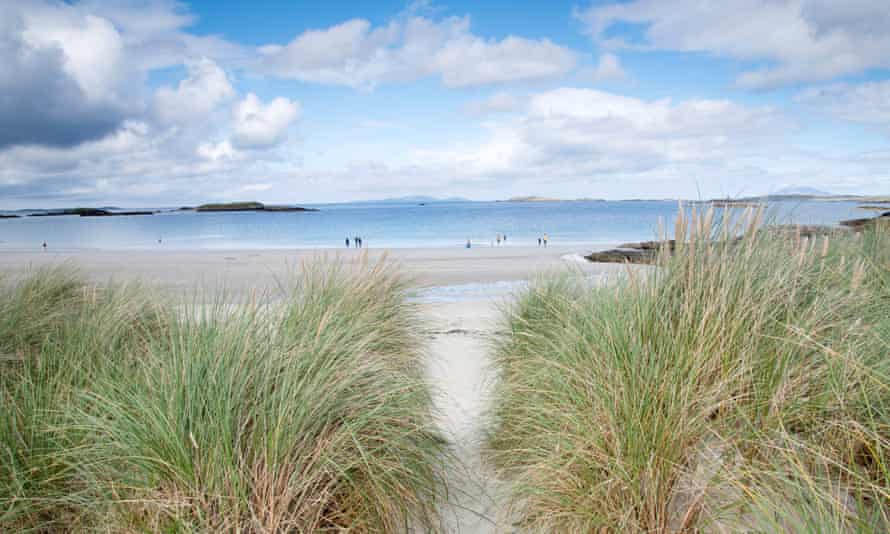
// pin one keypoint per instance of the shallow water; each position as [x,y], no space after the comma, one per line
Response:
[390,225]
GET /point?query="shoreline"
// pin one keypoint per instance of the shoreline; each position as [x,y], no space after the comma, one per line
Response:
[249,269]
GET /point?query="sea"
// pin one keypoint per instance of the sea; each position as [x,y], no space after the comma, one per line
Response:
[580,224]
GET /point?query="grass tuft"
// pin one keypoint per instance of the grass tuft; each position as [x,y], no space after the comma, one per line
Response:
[297,412]
[662,404]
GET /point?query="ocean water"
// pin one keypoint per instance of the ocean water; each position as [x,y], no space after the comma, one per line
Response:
[383,225]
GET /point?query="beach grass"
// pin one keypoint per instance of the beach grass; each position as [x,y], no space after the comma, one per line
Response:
[300,411]
[740,385]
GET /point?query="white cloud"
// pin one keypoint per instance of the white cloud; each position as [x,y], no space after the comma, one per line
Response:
[356,54]
[217,151]
[803,40]
[586,133]
[58,83]
[608,69]
[499,102]
[866,103]
[469,60]
[91,47]
[81,122]
[259,125]
[201,92]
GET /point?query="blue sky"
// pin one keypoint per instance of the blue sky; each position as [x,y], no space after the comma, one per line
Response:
[153,102]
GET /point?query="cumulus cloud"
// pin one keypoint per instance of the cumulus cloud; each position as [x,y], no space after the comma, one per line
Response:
[201,92]
[259,125]
[804,40]
[80,121]
[49,94]
[356,54]
[573,132]
[470,60]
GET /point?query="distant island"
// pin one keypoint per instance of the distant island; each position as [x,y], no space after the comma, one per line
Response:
[117,212]
[89,212]
[421,199]
[246,206]
[533,198]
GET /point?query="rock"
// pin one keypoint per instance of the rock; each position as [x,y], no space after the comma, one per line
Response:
[89,212]
[248,206]
[3,216]
[859,224]
[650,245]
[623,255]
[103,213]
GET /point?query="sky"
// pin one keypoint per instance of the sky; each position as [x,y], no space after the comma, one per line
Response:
[164,103]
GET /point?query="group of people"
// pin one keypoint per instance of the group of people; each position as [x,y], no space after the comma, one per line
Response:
[542,240]
[356,241]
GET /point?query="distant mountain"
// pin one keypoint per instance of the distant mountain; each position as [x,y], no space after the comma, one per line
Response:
[535,198]
[802,191]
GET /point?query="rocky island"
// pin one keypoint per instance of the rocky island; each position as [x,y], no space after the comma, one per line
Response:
[89,212]
[247,206]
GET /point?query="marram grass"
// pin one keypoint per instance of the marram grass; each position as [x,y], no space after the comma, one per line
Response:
[303,413]
[741,385]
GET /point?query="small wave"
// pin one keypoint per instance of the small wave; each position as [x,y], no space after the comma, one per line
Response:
[574,257]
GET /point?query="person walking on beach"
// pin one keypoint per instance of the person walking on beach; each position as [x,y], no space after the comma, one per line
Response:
[545,240]
[361,243]
[468,243]
[498,239]
[347,242]
[355,241]
[44,245]
[539,241]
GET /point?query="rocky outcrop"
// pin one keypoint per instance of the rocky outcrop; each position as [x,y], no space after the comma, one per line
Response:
[647,251]
[89,212]
[859,224]
[650,245]
[248,206]
[623,255]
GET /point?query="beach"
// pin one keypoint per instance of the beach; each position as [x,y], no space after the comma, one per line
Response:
[240,270]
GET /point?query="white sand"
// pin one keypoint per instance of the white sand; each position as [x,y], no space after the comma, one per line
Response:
[459,370]
[459,331]
[252,269]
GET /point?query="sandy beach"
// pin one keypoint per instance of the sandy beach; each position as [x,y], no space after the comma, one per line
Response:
[255,269]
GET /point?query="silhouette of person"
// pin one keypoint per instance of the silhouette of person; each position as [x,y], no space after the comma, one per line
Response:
[545,240]
[539,241]
[498,239]
[44,245]
[468,243]
[347,242]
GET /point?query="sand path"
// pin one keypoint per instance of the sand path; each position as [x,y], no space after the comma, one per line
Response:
[459,369]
